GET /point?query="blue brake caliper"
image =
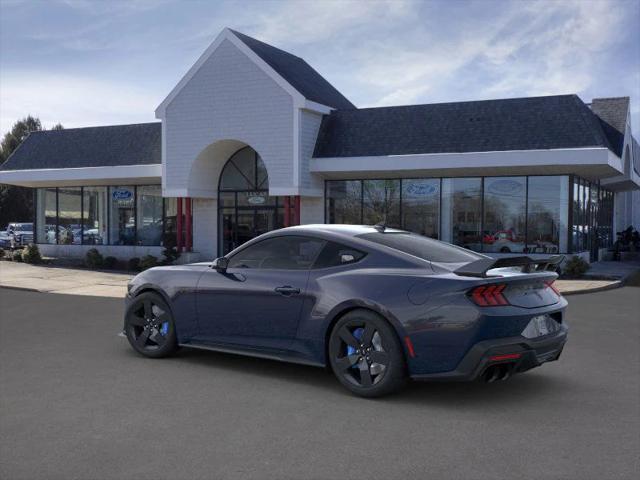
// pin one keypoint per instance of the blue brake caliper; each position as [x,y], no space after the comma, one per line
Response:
[164,329]
[351,350]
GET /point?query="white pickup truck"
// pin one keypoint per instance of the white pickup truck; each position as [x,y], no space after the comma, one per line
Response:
[16,235]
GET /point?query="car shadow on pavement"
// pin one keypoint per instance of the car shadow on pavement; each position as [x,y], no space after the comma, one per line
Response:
[522,388]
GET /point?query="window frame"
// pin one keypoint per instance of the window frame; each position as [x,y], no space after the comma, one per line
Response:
[363,255]
[108,211]
[569,218]
[251,244]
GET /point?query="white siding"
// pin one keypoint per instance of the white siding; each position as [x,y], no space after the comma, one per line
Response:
[309,126]
[205,228]
[229,97]
[311,210]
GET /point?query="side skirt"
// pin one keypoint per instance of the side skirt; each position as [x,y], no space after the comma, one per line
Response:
[281,356]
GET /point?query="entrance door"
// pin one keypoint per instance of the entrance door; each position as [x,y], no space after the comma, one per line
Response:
[241,225]
[245,208]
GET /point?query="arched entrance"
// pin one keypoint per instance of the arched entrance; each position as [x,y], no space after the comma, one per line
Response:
[245,209]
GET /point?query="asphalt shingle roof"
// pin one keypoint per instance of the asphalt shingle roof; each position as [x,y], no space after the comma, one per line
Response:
[613,115]
[138,144]
[533,123]
[298,73]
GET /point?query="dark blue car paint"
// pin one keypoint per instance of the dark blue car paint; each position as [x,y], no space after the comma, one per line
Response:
[239,310]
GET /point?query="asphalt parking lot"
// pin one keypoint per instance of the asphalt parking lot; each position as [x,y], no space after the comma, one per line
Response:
[78,403]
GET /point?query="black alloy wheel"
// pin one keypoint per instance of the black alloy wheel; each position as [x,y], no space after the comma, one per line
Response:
[366,355]
[149,326]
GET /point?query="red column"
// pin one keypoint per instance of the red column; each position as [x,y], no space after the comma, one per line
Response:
[287,211]
[179,225]
[189,240]
[296,210]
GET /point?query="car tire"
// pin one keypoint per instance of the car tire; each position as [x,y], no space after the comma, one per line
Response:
[365,354]
[149,326]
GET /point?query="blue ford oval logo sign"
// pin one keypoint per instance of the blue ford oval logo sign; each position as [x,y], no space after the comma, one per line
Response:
[256,199]
[422,189]
[505,187]
[122,194]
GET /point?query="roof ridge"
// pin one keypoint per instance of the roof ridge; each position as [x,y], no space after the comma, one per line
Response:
[235,32]
[98,126]
[592,123]
[468,101]
[625,97]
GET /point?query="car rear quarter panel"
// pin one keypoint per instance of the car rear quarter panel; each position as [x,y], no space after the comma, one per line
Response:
[432,310]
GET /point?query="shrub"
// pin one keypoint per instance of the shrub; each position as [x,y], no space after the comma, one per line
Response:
[576,266]
[31,254]
[133,264]
[148,261]
[1,252]
[93,258]
[110,263]
[170,252]
[16,256]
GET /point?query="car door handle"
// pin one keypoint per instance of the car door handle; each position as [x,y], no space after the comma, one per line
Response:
[287,290]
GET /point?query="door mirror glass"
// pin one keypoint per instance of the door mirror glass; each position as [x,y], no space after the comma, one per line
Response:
[220,264]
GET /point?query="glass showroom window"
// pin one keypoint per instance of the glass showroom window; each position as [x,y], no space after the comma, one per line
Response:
[170,220]
[122,221]
[344,201]
[504,214]
[70,216]
[381,202]
[548,200]
[606,218]
[94,216]
[461,211]
[46,215]
[421,206]
[149,215]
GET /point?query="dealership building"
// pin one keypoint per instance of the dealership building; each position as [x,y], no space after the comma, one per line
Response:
[252,139]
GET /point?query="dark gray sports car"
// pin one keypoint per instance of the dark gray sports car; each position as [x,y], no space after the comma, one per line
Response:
[373,304]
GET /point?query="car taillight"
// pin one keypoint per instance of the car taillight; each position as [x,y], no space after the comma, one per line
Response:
[550,285]
[489,295]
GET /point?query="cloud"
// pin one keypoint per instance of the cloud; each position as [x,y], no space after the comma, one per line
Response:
[533,48]
[297,22]
[376,52]
[72,100]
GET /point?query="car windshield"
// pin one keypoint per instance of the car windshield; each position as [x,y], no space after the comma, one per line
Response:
[422,247]
[22,227]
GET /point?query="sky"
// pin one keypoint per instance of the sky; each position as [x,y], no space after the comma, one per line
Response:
[86,63]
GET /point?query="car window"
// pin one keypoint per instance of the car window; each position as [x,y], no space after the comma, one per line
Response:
[334,254]
[422,247]
[280,253]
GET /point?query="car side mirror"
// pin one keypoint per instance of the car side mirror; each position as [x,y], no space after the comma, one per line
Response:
[220,264]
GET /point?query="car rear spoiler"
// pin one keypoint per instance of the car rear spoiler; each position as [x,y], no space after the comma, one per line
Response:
[479,268]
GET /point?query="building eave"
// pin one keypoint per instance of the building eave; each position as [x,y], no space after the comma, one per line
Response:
[85,176]
[590,162]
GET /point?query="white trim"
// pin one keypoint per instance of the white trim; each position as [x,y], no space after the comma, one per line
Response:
[297,113]
[227,34]
[460,161]
[130,174]
[317,107]
[163,153]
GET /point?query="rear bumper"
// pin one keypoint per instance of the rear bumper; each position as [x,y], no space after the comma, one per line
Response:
[532,353]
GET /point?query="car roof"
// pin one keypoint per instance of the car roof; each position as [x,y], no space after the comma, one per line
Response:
[344,230]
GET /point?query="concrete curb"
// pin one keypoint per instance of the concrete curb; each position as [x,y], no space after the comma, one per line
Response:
[26,289]
[611,286]
[59,292]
